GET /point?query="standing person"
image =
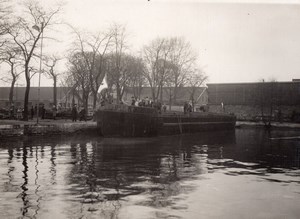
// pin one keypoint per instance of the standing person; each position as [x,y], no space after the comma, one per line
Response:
[223,107]
[12,111]
[74,113]
[147,102]
[159,106]
[164,108]
[32,112]
[19,113]
[150,102]
[35,110]
[190,107]
[54,112]
[132,101]
[82,114]
[43,111]
[185,107]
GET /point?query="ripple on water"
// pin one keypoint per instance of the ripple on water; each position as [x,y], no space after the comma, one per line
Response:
[208,175]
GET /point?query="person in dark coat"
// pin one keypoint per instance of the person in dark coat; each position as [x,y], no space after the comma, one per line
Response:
[54,111]
[185,107]
[159,106]
[164,108]
[12,111]
[35,109]
[74,113]
[32,112]
[43,111]
[82,114]
[132,101]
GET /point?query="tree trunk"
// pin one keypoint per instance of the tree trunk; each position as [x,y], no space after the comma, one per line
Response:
[26,98]
[11,91]
[161,94]
[170,99]
[153,94]
[175,94]
[94,99]
[118,93]
[157,92]
[139,91]
[86,101]
[54,91]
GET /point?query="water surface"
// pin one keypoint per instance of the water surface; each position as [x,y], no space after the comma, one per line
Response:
[247,173]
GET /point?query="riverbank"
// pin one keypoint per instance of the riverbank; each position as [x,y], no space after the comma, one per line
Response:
[276,125]
[16,128]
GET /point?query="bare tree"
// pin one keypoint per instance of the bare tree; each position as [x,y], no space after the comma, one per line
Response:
[195,80]
[70,87]
[51,63]
[169,88]
[182,59]
[155,56]
[266,99]
[132,74]
[5,12]
[136,74]
[11,58]
[79,76]
[27,39]
[93,49]
[118,75]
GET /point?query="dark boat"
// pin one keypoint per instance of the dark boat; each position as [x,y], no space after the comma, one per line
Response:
[132,121]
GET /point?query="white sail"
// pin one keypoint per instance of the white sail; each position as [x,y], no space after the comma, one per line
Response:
[103,85]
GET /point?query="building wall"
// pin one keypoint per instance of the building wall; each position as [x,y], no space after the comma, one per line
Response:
[286,93]
[246,100]
[246,112]
[46,96]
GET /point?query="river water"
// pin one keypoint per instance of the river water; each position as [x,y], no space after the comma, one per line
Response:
[246,173]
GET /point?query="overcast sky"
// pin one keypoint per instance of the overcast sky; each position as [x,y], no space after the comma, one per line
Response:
[235,42]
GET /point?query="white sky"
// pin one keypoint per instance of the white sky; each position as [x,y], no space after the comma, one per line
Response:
[236,42]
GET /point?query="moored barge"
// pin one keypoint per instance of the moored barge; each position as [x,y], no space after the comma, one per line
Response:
[131,121]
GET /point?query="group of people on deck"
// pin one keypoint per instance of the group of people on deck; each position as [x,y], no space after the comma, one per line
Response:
[148,102]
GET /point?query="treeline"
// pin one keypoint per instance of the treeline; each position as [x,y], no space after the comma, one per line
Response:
[163,63]
[168,63]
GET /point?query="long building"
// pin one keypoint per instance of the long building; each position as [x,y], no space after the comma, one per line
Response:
[64,97]
[249,100]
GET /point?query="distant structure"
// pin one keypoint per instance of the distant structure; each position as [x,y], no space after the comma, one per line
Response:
[250,100]
[64,97]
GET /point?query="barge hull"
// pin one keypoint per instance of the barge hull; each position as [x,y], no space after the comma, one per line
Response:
[130,123]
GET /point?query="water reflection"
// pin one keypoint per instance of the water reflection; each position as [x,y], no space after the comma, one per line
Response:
[156,177]
[23,194]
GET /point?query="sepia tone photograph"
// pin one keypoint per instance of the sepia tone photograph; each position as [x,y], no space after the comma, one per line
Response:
[145,109]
